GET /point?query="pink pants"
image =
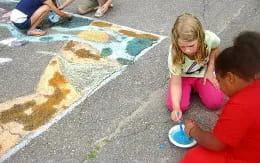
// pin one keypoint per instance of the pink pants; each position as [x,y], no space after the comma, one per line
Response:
[211,97]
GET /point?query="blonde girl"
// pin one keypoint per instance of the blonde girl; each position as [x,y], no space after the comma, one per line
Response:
[191,64]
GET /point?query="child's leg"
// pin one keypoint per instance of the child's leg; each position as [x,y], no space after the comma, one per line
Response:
[87,6]
[37,18]
[212,97]
[201,155]
[103,7]
[101,2]
[185,98]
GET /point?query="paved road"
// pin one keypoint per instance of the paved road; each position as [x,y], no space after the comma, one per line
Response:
[125,120]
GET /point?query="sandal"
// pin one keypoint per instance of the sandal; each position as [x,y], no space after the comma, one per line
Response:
[36,32]
[100,12]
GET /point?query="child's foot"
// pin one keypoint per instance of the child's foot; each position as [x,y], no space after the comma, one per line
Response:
[100,12]
[36,32]
[40,25]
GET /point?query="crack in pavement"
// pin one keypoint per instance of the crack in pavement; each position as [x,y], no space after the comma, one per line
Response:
[204,10]
[103,141]
[147,125]
[235,15]
[137,132]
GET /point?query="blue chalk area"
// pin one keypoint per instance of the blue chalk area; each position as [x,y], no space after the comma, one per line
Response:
[136,45]
[47,39]
[162,145]
[106,52]
[181,137]
[75,22]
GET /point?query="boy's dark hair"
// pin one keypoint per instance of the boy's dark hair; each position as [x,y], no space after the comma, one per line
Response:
[251,40]
[243,59]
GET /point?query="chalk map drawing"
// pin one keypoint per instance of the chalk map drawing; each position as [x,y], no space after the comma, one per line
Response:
[94,53]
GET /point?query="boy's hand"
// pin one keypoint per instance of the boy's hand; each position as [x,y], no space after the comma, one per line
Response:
[189,126]
[176,115]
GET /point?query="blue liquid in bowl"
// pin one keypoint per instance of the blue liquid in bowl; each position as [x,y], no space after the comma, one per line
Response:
[181,137]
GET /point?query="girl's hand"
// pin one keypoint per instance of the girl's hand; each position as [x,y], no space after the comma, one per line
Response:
[212,78]
[189,126]
[176,115]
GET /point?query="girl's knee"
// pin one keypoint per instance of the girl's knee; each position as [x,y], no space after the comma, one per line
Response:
[214,103]
[45,8]
[48,9]
[184,107]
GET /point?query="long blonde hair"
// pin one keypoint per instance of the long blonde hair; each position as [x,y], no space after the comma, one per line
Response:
[187,27]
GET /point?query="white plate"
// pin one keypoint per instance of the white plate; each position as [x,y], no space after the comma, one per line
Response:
[174,129]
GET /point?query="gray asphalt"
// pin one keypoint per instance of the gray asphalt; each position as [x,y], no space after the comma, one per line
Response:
[130,110]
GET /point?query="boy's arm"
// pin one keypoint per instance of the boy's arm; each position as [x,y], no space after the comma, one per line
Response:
[175,85]
[204,138]
[65,4]
[210,68]
[56,10]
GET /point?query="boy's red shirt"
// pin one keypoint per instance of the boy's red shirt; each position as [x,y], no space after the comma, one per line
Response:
[239,124]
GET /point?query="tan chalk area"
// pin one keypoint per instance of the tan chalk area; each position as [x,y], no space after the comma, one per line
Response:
[77,52]
[26,114]
[124,31]
[96,36]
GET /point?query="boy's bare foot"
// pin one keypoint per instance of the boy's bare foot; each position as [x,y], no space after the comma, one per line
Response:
[36,32]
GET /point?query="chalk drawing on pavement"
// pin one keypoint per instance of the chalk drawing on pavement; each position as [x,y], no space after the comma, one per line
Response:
[111,40]
[94,53]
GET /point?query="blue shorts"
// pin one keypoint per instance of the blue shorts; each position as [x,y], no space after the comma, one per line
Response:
[24,25]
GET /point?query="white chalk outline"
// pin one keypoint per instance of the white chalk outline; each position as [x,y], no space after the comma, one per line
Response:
[5,60]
